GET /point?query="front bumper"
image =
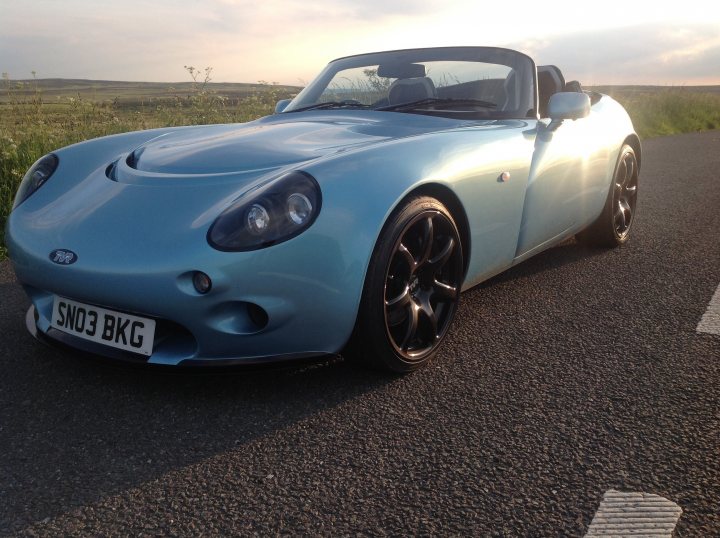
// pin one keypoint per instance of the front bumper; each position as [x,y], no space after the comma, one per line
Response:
[73,344]
[310,312]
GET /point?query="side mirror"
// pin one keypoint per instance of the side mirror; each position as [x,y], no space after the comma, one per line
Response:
[281,105]
[568,106]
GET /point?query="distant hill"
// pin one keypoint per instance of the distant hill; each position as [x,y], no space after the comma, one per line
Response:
[123,92]
[111,90]
[629,90]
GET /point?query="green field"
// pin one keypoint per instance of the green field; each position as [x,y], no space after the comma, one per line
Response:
[37,116]
[660,110]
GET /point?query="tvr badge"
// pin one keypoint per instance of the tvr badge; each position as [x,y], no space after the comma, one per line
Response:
[63,257]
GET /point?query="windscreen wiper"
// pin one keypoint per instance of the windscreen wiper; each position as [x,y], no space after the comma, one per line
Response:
[436,101]
[331,104]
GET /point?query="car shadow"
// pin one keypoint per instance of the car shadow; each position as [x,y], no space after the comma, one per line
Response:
[568,252]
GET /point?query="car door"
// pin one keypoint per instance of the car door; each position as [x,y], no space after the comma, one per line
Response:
[567,166]
[491,180]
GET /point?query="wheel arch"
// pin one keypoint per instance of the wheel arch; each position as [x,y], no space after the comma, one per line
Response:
[449,199]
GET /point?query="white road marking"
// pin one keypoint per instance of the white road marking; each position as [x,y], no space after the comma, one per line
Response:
[634,514]
[710,322]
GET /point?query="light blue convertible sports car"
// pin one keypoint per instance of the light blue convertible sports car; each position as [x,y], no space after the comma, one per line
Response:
[351,219]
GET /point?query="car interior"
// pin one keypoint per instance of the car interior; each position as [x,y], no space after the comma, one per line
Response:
[551,81]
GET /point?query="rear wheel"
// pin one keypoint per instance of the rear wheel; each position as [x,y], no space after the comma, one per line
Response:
[612,228]
[412,288]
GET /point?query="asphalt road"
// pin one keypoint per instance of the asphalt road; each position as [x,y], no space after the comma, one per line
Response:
[574,373]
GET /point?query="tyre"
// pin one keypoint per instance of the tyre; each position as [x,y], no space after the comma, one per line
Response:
[412,288]
[612,227]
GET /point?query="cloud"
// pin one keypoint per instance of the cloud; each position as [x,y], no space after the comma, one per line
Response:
[302,11]
[287,40]
[652,54]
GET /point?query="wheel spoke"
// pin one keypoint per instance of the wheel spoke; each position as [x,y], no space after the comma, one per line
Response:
[620,219]
[411,328]
[439,261]
[629,169]
[621,177]
[401,301]
[429,313]
[623,216]
[396,308]
[627,210]
[427,240]
[444,291]
[404,252]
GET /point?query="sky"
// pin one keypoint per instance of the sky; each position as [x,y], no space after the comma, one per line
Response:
[290,41]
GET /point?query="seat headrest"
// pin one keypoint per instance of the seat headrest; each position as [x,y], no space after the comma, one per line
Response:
[552,72]
[407,90]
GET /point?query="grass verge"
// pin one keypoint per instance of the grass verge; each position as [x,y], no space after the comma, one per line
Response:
[667,111]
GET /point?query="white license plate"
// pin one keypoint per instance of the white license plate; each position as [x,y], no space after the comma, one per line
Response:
[114,329]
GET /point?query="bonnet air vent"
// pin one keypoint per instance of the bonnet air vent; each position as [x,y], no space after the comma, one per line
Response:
[111,171]
[134,157]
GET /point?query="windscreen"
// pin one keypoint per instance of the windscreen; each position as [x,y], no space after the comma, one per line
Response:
[474,81]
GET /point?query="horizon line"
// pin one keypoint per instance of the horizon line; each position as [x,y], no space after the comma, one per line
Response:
[266,83]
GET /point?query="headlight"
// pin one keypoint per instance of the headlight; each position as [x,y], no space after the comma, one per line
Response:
[269,215]
[38,174]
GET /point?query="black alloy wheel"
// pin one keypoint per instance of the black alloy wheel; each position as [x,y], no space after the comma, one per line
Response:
[625,194]
[412,288]
[612,227]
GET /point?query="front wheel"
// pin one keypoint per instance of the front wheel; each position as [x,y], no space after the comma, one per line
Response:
[411,289]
